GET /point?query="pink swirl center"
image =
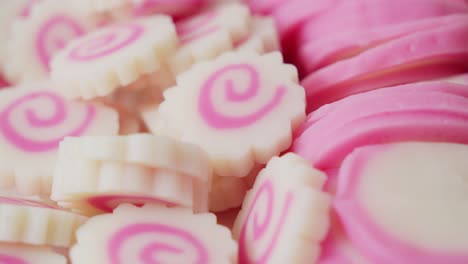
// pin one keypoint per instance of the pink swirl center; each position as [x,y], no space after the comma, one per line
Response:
[260,228]
[5,259]
[196,27]
[106,42]
[59,116]
[149,254]
[53,36]
[219,80]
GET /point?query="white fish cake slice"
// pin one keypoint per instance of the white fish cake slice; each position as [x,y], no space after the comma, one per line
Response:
[23,254]
[240,108]
[285,216]
[113,56]
[35,223]
[9,12]
[209,34]
[94,175]
[263,37]
[143,235]
[141,149]
[34,120]
[35,39]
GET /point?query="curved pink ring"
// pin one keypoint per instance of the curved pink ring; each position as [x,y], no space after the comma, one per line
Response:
[371,240]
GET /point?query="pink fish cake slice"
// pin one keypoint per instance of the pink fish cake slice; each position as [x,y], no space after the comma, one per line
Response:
[286,214]
[173,8]
[37,223]
[318,53]
[226,106]
[96,174]
[34,40]
[22,254]
[387,193]
[426,55]
[381,117]
[34,119]
[142,235]
[375,14]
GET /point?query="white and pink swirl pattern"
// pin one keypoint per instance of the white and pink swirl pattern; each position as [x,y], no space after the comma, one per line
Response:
[25,114]
[105,42]
[164,244]
[54,34]
[224,79]
[260,229]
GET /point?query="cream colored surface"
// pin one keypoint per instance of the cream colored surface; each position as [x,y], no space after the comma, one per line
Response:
[418,192]
[31,255]
[38,225]
[229,192]
[9,11]
[141,165]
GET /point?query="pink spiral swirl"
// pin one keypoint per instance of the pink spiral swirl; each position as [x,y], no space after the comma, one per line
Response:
[53,35]
[5,259]
[259,225]
[149,253]
[105,42]
[36,122]
[218,80]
